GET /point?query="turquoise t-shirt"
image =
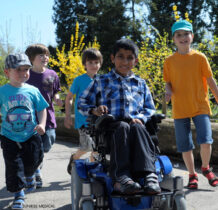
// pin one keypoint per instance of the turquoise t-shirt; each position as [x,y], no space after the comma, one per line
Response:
[80,83]
[18,107]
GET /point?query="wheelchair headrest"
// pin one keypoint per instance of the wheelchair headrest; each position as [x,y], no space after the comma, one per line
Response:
[103,121]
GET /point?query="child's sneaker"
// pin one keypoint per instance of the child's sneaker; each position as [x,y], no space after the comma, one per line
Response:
[38,181]
[193,182]
[30,184]
[38,178]
[18,202]
[212,178]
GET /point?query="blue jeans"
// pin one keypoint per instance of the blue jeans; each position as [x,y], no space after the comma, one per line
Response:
[183,132]
[48,139]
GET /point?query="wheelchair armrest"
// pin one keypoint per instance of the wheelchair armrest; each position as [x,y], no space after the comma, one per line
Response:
[152,123]
[103,121]
[158,117]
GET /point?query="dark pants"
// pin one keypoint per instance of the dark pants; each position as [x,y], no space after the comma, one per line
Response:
[21,159]
[132,151]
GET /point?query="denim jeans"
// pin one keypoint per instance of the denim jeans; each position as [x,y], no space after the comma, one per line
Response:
[183,132]
[48,139]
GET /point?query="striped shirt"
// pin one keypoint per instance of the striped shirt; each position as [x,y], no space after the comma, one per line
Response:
[126,97]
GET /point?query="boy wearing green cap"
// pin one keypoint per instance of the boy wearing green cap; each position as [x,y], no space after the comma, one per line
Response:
[187,74]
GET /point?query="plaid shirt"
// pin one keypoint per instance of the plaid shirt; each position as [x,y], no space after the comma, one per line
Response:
[126,97]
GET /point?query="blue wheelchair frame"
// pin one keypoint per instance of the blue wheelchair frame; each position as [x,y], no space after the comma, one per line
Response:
[92,187]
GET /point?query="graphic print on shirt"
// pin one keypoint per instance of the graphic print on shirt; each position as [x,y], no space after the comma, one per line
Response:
[48,83]
[18,117]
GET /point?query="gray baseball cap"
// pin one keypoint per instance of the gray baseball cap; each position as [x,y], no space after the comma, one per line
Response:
[15,60]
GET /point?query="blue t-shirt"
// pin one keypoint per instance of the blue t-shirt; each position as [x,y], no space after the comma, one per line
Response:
[80,83]
[18,107]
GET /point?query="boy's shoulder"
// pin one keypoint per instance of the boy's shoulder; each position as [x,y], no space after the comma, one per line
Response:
[25,88]
[170,57]
[198,53]
[110,74]
[51,71]
[47,72]
[81,77]
[193,52]
[26,85]
[102,77]
[81,80]
[30,87]
[3,88]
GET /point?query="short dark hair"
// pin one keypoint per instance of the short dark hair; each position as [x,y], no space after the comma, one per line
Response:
[91,54]
[35,49]
[126,44]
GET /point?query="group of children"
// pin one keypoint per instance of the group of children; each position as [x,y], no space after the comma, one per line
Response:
[28,117]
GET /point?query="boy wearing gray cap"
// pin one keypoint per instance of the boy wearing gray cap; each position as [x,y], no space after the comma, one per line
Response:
[187,74]
[21,128]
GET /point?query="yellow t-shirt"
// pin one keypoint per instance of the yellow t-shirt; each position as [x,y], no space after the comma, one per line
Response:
[188,76]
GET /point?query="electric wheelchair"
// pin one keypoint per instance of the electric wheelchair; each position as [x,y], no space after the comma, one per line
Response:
[91,186]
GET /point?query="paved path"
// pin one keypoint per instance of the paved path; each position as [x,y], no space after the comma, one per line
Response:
[56,191]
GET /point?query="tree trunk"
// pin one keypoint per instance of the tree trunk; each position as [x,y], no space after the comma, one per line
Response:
[164,105]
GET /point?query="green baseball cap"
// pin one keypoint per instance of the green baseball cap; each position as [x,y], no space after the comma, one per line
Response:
[182,25]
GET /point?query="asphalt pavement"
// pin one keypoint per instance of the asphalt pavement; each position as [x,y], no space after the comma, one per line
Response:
[56,191]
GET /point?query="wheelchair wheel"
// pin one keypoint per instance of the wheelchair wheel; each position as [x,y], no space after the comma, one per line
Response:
[76,188]
[179,203]
[87,205]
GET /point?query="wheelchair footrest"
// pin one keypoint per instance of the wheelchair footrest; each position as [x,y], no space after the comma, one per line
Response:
[138,201]
[140,194]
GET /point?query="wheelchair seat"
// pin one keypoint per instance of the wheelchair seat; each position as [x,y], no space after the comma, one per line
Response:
[99,128]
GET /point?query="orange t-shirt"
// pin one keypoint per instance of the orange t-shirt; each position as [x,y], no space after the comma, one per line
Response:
[188,77]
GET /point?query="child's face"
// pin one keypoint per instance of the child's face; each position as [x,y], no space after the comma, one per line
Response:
[41,61]
[183,39]
[18,76]
[92,67]
[124,61]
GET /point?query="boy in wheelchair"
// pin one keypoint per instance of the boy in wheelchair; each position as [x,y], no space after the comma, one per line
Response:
[125,96]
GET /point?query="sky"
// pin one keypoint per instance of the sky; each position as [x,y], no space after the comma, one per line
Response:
[24,22]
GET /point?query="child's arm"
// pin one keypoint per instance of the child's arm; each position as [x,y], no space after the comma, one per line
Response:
[68,106]
[168,89]
[213,87]
[57,100]
[42,116]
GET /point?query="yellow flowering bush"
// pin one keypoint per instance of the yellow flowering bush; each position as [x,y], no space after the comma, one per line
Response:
[150,67]
[176,14]
[70,63]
